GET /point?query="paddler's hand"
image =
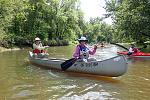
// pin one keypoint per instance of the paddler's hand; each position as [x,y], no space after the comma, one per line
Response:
[46,46]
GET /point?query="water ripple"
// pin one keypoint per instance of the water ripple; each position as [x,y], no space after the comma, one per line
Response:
[25,94]
[90,96]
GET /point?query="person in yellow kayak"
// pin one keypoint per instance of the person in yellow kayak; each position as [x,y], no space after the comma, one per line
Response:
[38,48]
[82,51]
[133,50]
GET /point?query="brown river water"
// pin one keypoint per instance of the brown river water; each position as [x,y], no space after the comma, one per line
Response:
[20,80]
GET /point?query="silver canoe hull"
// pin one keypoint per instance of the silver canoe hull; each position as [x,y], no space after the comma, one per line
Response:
[112,67]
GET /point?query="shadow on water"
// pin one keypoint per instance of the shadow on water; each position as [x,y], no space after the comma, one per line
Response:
[94,77]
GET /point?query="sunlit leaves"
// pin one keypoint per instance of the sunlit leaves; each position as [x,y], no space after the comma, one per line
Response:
[23,20]
[132,18]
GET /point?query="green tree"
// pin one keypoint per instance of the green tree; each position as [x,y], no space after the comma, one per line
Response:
[98,31]
[131,18]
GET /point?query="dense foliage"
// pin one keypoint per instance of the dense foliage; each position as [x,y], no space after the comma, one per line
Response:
[55,21]
[131,19]
[98,31]
[59,22]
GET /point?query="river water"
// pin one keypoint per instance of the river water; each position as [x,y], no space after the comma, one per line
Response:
[20,80]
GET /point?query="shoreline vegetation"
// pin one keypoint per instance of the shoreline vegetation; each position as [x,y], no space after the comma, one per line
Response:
[13,48]
[59,22]
[3,49]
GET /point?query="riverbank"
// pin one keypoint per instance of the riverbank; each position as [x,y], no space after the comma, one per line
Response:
[2,49]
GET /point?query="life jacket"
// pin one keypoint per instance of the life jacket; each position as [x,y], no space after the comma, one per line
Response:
[135,50]
[38,51]
[84,52]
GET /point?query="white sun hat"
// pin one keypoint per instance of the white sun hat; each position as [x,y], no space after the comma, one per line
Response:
[37,39]
[82,39]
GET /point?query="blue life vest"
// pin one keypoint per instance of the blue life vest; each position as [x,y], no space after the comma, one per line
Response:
[84,52]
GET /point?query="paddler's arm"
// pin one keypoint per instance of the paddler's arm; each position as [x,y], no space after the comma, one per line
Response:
[77,52]
[92,52]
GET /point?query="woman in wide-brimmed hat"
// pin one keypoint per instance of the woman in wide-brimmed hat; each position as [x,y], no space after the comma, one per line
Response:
[38,47]
[82,51]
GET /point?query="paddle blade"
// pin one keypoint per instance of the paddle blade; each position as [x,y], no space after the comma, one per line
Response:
[68,63]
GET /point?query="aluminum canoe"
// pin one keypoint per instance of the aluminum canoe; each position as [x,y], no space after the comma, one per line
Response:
[112,67]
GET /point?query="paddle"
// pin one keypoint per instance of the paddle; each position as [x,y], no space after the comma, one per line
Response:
[120,46]
[68,63]
[145,46]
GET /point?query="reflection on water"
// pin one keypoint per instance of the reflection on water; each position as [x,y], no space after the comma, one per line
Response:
[20,80]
